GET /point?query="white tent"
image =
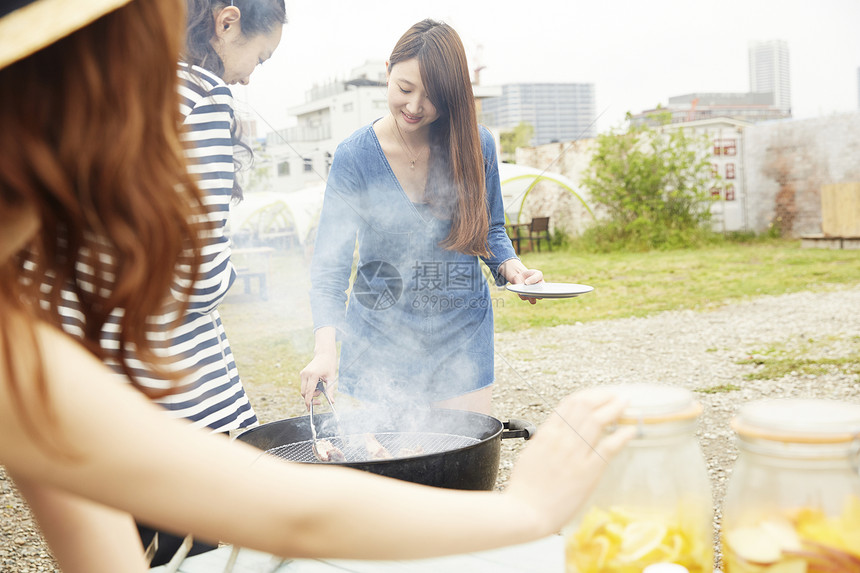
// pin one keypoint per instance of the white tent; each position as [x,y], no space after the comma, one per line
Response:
[275,212]
[518,180]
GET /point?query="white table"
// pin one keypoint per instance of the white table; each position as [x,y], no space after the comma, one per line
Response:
[542,556]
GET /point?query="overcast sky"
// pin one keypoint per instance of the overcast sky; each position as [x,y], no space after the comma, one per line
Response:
[637,53]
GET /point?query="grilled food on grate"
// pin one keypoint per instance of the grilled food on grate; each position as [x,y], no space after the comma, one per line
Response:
[325,451]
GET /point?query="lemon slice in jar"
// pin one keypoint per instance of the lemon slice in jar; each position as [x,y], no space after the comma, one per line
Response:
[590,556]
[639,539]
[672,547]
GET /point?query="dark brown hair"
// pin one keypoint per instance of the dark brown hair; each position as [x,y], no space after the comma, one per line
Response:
[90,139]
[258,17]
[455,182]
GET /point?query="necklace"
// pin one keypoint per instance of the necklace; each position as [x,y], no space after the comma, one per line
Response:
[405,147]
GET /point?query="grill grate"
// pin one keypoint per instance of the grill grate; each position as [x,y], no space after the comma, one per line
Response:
[353,445]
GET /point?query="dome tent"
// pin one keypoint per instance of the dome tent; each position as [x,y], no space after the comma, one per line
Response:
[517,182]
[272,212]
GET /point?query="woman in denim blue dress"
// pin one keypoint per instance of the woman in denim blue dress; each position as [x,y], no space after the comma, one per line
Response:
[419,190]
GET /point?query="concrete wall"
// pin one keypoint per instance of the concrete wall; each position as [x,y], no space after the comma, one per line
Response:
[572,160]
[782,164]
[787,162]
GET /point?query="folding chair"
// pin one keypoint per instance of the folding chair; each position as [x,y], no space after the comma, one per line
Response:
[539,229]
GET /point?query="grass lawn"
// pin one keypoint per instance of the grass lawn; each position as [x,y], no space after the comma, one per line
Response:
[272,340]
[639,284]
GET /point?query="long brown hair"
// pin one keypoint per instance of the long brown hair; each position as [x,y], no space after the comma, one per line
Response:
[90,139]
[455,181]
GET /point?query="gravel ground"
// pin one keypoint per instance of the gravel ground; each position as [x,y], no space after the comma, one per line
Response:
[535,368]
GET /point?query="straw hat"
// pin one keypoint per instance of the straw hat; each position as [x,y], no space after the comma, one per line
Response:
[27,26]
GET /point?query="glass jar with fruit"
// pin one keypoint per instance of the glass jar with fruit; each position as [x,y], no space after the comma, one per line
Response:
[653,505]
[793,501]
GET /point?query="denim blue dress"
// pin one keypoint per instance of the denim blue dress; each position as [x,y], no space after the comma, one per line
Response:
[418,326]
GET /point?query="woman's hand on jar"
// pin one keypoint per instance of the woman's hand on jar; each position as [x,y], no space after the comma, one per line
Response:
[563,463]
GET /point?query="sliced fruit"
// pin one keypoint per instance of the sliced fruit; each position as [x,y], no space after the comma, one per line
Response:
[753,544]
[630,541]
[615,531]
[639,539]
[783,533]
[788,566]
[592,522]
[824,557]
[600,548]
[589,557]
[671,547]
[851,525]
[621,516]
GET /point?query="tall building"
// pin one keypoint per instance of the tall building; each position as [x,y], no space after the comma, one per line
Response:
[769,71]
[556,111]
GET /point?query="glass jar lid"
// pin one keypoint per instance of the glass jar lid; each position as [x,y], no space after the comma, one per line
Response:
[655,403]
[795,420]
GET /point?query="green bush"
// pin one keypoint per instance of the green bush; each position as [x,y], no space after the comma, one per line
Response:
[653,184]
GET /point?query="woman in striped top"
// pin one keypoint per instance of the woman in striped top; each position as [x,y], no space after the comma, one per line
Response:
[225,41]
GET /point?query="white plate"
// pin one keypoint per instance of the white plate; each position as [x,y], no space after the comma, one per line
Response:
[550,290]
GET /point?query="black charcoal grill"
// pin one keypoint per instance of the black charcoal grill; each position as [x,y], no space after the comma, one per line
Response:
[461,450]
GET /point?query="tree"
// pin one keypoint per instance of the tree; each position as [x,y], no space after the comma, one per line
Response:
[653,182]
[520,136]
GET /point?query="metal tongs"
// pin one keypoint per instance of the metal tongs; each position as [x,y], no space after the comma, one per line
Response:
[325,454]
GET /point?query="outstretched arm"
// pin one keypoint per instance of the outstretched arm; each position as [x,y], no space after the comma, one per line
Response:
[229,491]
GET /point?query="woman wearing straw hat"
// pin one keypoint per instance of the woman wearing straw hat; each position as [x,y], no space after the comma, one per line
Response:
[225,41]
[92,170]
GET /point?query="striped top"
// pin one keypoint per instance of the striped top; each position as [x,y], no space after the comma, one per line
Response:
[212,395]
